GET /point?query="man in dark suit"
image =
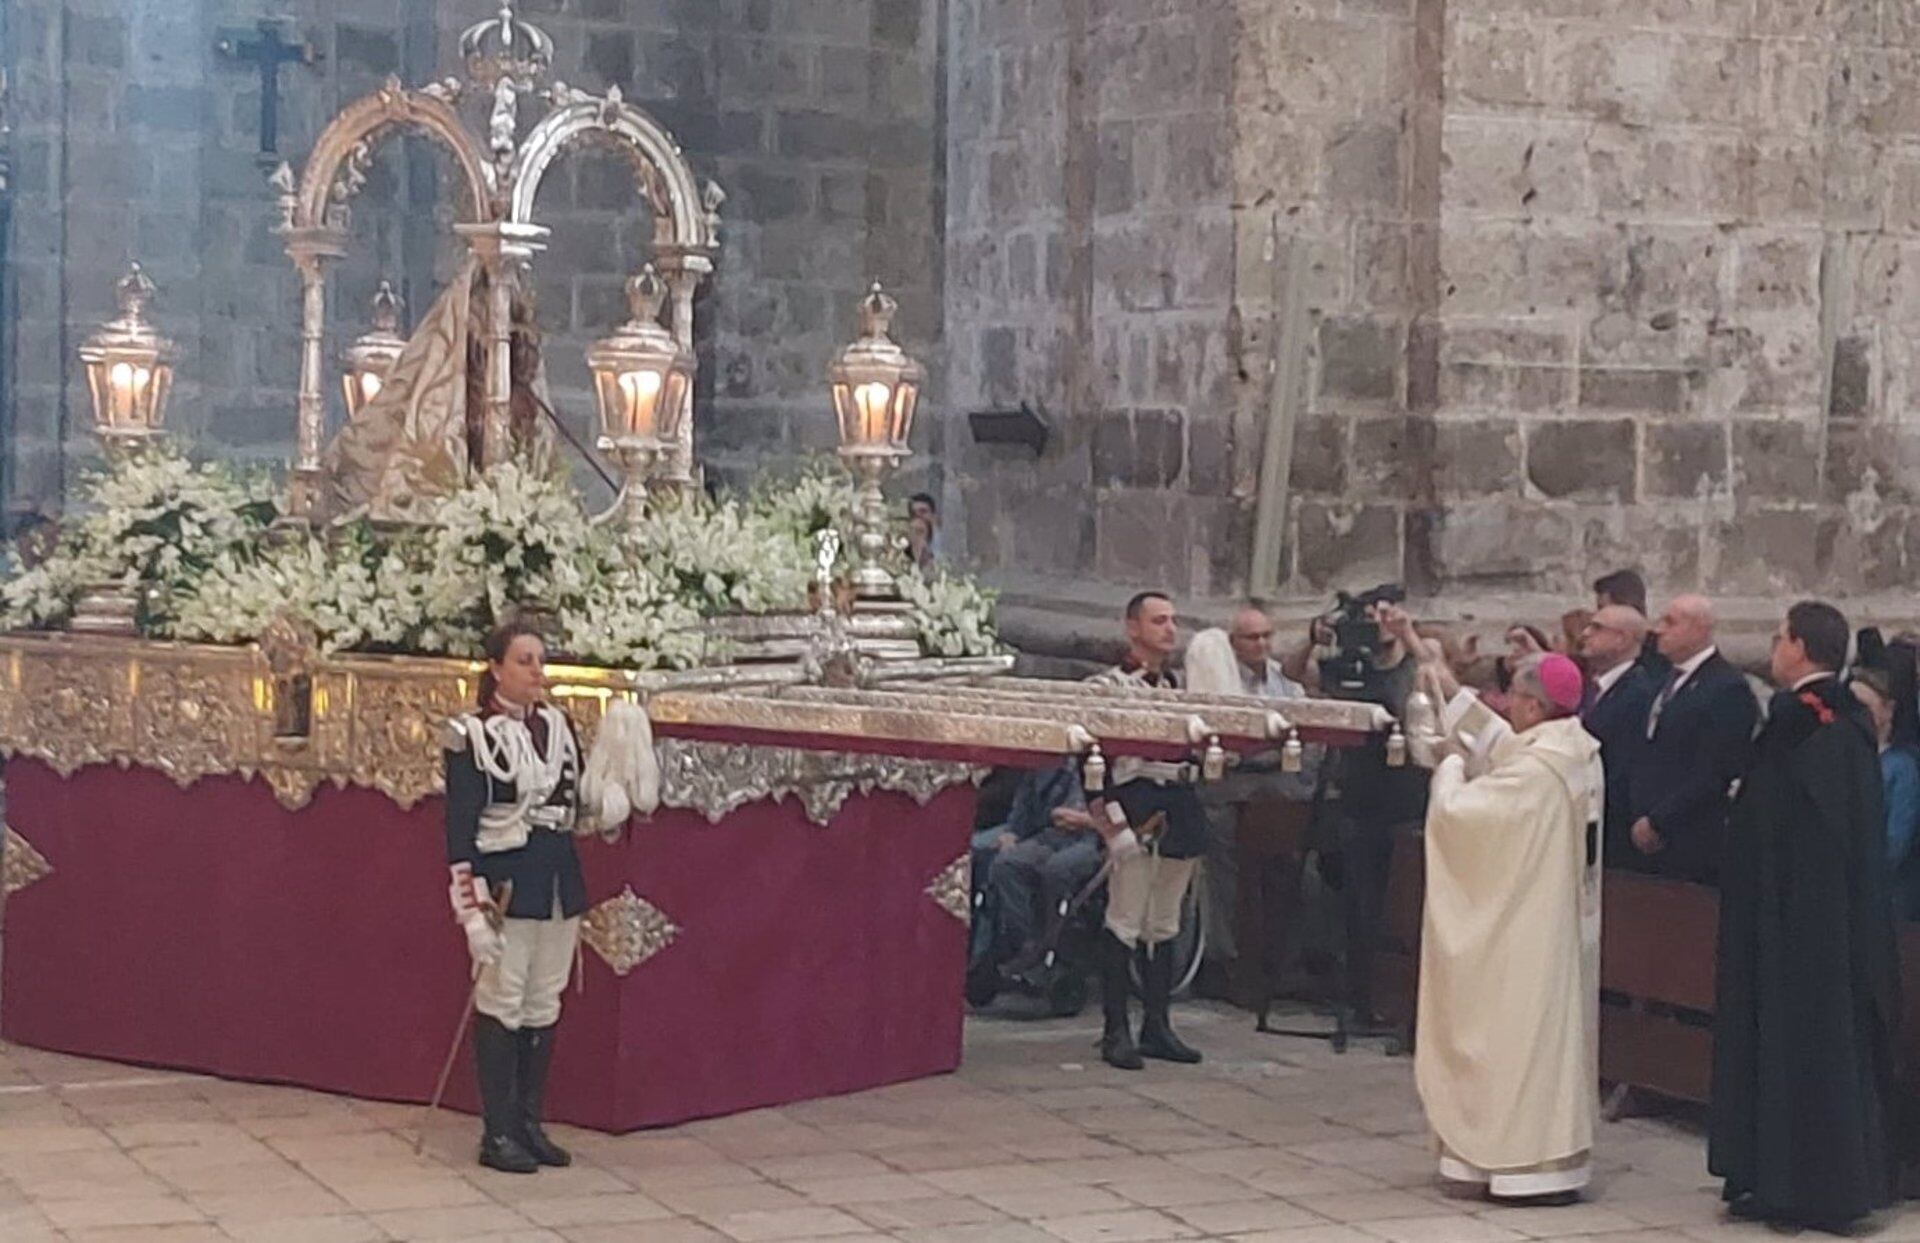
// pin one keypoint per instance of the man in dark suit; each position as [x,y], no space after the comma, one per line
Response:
[1619,697]
[1698,736]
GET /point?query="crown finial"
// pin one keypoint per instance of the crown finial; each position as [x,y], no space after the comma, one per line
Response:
[877,310]
[646,296]
[387,306]
[134,291]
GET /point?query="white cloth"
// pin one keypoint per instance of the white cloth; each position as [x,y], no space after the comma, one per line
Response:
[1144,897]
[523,987]
[1508,1059]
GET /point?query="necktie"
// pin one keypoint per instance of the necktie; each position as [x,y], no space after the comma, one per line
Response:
[1667,693]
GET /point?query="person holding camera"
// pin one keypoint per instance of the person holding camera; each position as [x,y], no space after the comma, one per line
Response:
[1367,650]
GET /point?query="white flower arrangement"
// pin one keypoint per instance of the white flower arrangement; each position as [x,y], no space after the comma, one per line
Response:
[155,524]
[197,541]
[954,615]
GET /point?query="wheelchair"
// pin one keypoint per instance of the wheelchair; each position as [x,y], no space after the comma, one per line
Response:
[1063,978]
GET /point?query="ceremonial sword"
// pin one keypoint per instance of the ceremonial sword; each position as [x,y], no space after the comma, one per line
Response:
[494,909]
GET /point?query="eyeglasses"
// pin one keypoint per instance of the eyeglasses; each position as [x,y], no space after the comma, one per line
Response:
[1263,636]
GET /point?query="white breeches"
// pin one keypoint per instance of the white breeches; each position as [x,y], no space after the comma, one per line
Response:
[523,988]
[1144,896]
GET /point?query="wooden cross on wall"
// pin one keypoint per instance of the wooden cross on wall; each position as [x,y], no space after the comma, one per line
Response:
[267,48]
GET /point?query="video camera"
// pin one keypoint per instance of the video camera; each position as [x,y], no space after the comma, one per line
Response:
[1353,671]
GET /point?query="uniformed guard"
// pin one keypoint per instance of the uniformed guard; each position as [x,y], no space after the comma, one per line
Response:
[1147,883]
[513,773]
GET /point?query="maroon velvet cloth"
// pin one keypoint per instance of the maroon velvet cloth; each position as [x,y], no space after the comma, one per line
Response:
[211,929]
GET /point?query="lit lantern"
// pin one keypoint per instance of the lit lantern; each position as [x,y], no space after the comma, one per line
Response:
[876,386]
[369,361]
[876,389]
[129,368]
[641,378]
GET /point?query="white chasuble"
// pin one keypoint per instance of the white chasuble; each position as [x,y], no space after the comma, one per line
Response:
[1507,1061]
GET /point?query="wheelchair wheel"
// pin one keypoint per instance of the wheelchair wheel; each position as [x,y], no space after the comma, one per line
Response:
[1067,995]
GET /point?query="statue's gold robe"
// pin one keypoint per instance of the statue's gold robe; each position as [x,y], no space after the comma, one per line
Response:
[1507,1062]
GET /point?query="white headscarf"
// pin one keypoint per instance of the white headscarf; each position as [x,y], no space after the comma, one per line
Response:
[1212,668]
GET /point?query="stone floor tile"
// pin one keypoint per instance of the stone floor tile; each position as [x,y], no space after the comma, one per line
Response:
[1366,1206]
[766,1226]
[570,1182]
[38,1140]
[866,1189]
[593,1210]
[997,1232]
[1192,1189]
[408,1191]
[647,1177]
[1032,1203]
[308,1200]
[677,1230]
[1670,1210]
[463,1221]
[185,1232]
[1555,1223]
[1458,1228]
[940,1211]
[708,1203]
[1129,1226]
[337,1229]
[1245,1215]
[994,1178]
[816,1166]
[71,1215]
[1307,1234]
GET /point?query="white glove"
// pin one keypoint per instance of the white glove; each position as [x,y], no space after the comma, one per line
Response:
[484,943]
[1125,845]
[460,891]
[468,894]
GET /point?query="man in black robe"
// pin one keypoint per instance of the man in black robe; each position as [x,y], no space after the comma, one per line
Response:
[1804,1025]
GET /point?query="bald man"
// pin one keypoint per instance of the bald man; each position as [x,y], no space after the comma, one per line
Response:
[1619,697]
[1698,735]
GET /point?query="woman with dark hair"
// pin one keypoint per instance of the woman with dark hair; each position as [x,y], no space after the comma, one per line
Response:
[513,773]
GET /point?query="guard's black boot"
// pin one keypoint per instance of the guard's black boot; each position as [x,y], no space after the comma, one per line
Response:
[1116,978]
[536,1055]
[1156,1033]
[496,1056]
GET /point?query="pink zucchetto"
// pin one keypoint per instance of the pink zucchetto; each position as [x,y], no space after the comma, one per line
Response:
[1562,681]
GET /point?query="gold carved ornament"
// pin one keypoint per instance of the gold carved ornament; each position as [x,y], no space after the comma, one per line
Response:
[953,889]
[20,864]
[626,930]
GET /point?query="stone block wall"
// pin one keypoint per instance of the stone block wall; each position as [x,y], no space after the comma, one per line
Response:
[133,139]
[1089,275]
[1593,283]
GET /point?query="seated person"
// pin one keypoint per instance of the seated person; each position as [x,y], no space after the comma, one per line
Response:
[1045,852]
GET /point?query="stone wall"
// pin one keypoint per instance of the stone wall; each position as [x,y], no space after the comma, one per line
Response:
[133,139]
[1089,266]
[1593,283]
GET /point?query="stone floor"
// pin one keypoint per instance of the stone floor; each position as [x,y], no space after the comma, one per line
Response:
[1273,1141]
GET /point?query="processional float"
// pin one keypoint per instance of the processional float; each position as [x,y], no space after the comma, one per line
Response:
[791,924]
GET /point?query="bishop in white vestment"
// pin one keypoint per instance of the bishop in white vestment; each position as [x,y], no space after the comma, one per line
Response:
[1507,1062]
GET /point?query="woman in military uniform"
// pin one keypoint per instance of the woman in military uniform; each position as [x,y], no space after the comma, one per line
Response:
[513,774]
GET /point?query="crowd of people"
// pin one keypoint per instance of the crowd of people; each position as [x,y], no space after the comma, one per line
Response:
[1623,741]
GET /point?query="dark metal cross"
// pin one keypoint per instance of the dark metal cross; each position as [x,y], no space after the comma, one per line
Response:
[268,49]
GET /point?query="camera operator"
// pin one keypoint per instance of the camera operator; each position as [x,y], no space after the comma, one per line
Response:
[1366,650]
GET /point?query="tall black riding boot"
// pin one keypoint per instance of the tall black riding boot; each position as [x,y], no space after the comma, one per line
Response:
[536,1055]
[1156,1032]
[496,1056]
[1116,980]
